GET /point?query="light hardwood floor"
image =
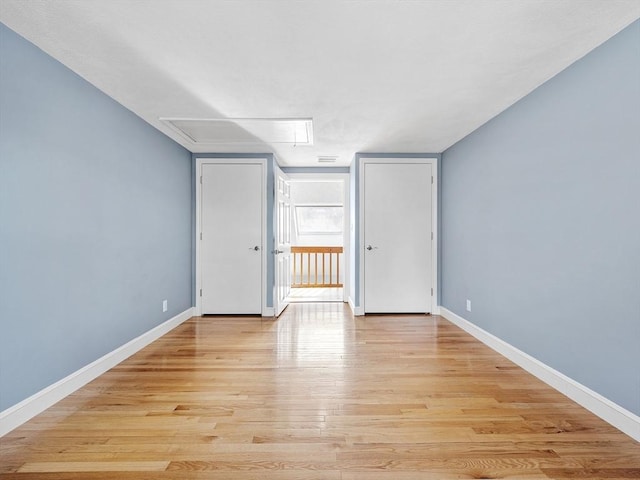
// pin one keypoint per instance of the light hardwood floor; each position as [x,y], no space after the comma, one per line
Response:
[317,394]
[314,295]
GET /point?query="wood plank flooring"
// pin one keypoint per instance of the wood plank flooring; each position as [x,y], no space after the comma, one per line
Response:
[317,394]
[315,295]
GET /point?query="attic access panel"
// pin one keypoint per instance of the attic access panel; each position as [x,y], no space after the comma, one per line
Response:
[244,131]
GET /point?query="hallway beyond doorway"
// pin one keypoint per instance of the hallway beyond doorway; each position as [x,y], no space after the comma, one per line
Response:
[300,295]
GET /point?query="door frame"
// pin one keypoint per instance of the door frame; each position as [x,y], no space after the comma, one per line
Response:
[435,308]
[346,202]
[263,254]
[277,306]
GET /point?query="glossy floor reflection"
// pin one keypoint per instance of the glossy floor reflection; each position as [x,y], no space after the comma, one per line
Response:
[306,341]
[315,295]
[317,394]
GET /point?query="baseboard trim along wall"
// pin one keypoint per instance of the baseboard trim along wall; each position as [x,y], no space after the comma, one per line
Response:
[357,311]
[604,408]
[20,413]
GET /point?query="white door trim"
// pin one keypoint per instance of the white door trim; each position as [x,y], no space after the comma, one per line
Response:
[434,223]
[255,161]
[278,174]
[345,177]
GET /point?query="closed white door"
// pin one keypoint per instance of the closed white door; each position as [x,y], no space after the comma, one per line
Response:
[397,237]
[282,241]
[231,243]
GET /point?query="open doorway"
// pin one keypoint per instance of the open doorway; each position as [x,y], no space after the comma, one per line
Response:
[319,216]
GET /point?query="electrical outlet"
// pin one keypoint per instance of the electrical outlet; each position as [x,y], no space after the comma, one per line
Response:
[468,305]
[164,306]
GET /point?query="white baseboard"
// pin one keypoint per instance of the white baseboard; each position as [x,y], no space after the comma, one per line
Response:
[357,311]
[20,413]
[604,408]
[268,312]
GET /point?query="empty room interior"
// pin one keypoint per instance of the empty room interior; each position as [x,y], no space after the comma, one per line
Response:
[336,240]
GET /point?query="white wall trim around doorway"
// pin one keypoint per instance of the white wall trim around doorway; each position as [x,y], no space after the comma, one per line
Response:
[433,161]
[312,177]
[265,311]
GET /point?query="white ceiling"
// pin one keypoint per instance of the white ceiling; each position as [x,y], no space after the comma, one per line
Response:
[375,76]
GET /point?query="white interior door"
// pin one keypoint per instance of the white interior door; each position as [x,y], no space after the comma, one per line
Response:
[231,241]
[282,241]
[397,237]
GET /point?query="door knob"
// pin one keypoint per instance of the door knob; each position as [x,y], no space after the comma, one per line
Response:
[278,252]
[256,248]
[369,247]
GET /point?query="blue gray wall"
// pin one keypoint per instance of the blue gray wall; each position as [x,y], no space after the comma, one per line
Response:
[541,222]
[95,222]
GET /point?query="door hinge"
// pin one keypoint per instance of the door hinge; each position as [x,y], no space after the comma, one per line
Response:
[200,292]
[431,179]
[431,236]
[201,179]
[201,236]
[432,292]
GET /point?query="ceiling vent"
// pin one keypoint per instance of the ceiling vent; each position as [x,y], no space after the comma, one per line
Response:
[327,159]
[244,131]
